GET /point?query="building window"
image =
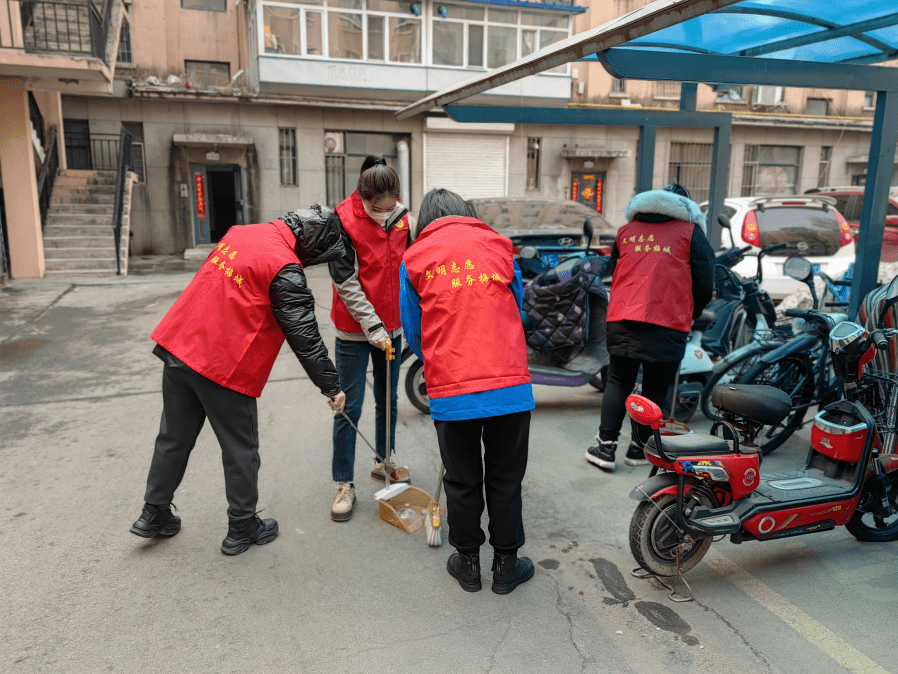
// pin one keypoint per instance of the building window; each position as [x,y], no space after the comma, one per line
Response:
[769,170]
[533,145]
[869,100]
[135,129]
[469,37]
[124,42]
[360,30]
[826,156]
[690,166]
[205,5]
[667,90]
[819,107]
[344,152]
[618,86]
[287,149]
[208,73]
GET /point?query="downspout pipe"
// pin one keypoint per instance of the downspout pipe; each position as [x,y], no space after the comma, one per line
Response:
[404,173]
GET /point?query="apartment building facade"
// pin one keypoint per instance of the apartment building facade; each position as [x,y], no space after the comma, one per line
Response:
[242,111]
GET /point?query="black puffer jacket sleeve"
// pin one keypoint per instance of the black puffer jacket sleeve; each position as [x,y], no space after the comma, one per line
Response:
[702,272]
[294,310]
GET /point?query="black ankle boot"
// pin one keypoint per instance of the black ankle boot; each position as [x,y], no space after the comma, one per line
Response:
[244,532]
[509,571]
[156,521]
[465,568]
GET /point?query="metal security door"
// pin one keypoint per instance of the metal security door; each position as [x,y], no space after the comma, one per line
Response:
[201,226]
[588,187]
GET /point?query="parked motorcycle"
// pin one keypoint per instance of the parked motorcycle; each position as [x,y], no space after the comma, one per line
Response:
[702,486]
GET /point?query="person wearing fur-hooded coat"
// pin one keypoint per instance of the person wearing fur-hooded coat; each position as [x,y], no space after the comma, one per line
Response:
[663,278]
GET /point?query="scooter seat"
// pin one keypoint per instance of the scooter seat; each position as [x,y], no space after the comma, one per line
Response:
[766,404]
[689,445]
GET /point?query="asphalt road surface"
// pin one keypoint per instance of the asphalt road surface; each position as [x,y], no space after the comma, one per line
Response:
[79,409]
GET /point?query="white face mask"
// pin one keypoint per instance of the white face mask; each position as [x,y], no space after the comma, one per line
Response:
[379,218]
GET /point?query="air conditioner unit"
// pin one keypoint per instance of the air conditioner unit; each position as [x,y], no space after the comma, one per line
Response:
[333,142]
[767,95]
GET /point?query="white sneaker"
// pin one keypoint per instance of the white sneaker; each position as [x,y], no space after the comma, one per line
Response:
[343,502]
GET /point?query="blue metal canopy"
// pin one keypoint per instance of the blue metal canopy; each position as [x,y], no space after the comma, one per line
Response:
[846,31]
[800,43]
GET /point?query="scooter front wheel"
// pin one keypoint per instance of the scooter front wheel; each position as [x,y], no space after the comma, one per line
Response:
[866,526]
[415,388]
[655,537]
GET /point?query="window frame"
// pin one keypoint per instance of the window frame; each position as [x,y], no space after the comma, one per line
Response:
[287,161]
[325,10]
[135,129]
[207,6]
[207,71]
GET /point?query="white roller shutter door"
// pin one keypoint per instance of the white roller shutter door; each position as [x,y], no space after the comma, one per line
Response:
[473,165]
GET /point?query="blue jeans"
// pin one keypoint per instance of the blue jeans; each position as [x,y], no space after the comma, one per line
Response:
[351,359]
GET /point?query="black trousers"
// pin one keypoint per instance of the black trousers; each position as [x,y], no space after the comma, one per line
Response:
[188,399]
[622,372]
[496,470]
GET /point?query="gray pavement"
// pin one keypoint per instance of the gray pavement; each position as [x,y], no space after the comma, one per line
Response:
[79,408]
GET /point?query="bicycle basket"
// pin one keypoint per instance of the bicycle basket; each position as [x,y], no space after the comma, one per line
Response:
[878,393]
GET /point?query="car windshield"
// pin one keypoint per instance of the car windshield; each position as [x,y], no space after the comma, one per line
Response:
[523,215]
[811,230]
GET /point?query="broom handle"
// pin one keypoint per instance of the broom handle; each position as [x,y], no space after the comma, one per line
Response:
[389,354]
[439,484]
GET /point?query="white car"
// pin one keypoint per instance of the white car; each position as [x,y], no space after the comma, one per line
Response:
[811,225]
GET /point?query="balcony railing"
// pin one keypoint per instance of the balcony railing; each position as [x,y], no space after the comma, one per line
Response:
[66,27]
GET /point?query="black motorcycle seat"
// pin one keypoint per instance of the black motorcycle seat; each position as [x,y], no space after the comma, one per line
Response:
[689,445]
[705,321]
[766,404]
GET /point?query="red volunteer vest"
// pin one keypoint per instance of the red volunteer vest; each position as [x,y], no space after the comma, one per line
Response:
[653,278]
[379,256]
[471,332]
[222,325]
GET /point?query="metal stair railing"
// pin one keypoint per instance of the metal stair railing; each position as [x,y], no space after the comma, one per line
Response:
[125,164]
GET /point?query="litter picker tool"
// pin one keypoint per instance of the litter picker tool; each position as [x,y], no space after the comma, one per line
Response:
[671,426]
[401,505]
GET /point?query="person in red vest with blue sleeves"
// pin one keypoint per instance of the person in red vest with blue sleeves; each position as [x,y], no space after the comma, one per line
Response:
[218,344]
[461,297]
[663,278]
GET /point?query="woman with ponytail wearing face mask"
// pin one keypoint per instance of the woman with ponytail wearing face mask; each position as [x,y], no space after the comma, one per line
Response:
[365,312]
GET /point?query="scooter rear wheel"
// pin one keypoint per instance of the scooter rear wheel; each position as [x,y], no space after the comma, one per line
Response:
[865,526]
[415,388]
[654,537]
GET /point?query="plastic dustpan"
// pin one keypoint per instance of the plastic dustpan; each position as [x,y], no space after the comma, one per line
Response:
[404,508]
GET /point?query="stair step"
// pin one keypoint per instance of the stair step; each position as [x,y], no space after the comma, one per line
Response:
[81,264]
[85,209]
[54,242]
[59,254]
[83,188]
[92,181]
[64,198]
[66,231]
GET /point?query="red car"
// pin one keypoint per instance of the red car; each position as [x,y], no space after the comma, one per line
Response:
[850,201]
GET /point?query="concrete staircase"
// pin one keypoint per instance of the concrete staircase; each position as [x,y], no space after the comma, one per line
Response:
[78,236]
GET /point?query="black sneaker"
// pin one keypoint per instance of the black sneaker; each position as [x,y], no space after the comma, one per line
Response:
[243,533]
[466,570]
[509,571]
[603,455]
[156,521]
[635,455]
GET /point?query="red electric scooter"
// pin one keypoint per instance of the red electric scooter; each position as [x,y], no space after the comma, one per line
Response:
[703,486]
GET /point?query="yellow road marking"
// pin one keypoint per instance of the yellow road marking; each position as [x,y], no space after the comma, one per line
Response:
[840,651]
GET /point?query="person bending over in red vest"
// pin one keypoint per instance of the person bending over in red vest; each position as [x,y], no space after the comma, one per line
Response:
[218,344]
[663,277]
[461,301]
[365,311]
